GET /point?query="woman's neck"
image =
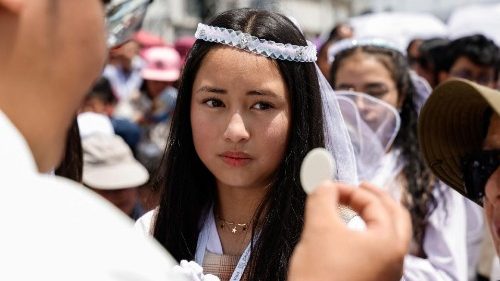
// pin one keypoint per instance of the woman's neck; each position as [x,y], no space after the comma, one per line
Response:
[234,213]
[237,204]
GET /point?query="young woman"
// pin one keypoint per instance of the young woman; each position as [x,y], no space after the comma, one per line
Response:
[249,109]
[439,250]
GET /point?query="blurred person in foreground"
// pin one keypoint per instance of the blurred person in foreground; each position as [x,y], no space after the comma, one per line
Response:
[459,132]
[63,231]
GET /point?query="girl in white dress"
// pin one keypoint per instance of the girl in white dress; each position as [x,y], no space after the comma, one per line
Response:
[378,68]
[251,104]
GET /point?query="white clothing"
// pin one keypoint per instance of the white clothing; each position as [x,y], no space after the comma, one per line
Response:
[445,235]
[54,229]
[145,224]
[495,269]
[475,235]
[124,84]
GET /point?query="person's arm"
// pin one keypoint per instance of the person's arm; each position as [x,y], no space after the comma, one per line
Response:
[444,244]
[329,250]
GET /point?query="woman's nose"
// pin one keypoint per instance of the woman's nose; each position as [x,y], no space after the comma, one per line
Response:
[236,130]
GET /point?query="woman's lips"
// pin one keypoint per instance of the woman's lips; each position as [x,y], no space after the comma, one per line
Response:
[236,159]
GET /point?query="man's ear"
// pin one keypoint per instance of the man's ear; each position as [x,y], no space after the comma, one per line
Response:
[12,6]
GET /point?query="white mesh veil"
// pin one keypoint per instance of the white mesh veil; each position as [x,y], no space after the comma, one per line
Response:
[372,125]
[337,139]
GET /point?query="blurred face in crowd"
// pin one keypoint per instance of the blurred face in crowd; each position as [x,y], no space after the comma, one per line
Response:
[240,117]
[124,54]
[51,52]
[123,199]
[97,105]
[364,73]
[155,88]
[492,188]
[466,69]
[414,54]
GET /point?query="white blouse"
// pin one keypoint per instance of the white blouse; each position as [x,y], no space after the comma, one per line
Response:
[445,241]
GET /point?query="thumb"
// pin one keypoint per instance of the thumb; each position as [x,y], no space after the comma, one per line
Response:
[321,205]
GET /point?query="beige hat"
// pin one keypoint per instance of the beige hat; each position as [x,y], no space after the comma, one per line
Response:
[452,125]
[108,164]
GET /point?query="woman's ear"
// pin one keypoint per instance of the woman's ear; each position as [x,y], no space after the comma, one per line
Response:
[12,6]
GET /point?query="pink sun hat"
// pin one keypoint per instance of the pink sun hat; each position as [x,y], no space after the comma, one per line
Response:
[162,64]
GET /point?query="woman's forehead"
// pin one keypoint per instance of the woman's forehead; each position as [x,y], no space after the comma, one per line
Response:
[230,66]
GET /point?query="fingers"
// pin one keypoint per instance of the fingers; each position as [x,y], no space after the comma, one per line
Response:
[367,204]
[321,205]
[399,215]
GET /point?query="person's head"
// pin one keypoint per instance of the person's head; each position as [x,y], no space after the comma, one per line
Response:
[459,131]
[51,52]
[413,52]
[243,121]
[162,69]
[110,170]
[429,63]
[339,32]
[101,98]
[124,54]
[474,58]
[377,68]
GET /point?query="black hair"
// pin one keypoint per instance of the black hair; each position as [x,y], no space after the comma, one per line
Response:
[71,166]
[103,91]
[418,177]
[188,188]
[433,53]
[477,48]
[335,32]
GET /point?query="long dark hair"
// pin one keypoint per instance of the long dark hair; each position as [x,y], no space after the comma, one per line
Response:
[188,188]
[420,201]
[71,166]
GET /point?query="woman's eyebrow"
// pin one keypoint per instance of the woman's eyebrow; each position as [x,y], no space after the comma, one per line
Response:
[209,89]
[262,93]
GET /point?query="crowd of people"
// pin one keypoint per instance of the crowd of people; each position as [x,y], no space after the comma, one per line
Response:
[200,142]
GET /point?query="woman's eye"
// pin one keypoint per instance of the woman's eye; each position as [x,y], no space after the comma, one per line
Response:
[377,91]
[213,103]
[263,106]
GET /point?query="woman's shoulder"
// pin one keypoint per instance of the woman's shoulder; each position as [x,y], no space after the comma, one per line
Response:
[145,224]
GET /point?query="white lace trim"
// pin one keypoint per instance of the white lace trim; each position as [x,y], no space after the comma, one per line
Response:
[353,43]
[256,45]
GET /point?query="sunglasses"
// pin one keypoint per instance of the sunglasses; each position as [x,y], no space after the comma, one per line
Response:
[123,19]
[477,168]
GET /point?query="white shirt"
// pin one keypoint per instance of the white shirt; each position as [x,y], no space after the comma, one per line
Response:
[124,84]
[145,224]
[445,240]
[54,229]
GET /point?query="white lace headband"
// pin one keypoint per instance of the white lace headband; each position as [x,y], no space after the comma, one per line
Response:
[353,43]
[256,45]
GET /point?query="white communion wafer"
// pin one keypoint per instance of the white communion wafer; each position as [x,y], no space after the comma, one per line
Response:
[318,166]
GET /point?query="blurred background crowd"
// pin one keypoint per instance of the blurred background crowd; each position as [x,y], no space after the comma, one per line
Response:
[121,131]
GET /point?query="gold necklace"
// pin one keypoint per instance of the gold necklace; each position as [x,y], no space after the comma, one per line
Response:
[234,227]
